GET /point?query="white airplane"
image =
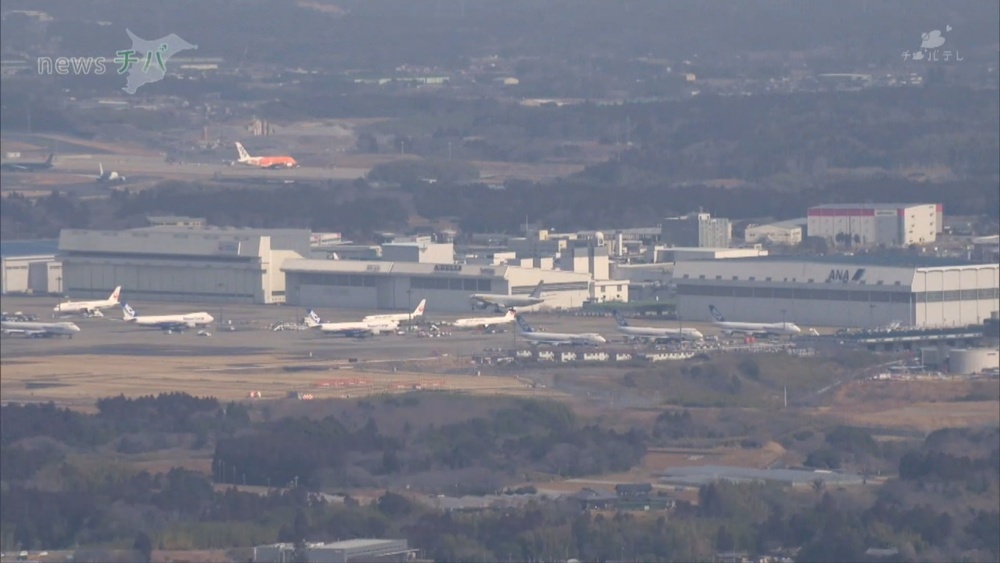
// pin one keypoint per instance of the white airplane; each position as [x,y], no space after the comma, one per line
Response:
[557,338]
[89,308]
[501,302]
[39,330]
[108,177]
[167,322]
[485,322]
[731,328]
[353,329]
[398,317]
[656,333]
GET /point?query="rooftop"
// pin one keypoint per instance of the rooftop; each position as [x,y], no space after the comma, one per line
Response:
[886,260]
[866,205]
[709,473]
[42,247]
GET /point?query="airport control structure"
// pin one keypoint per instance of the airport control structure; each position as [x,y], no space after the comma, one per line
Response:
[846,291]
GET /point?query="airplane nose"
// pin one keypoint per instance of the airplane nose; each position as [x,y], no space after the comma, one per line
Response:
[74,328]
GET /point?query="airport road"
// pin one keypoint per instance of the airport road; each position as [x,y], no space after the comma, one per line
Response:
[130,165]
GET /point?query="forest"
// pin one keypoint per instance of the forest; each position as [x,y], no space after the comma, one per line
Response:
[61,489]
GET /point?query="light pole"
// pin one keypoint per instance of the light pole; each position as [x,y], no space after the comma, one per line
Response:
[220,285]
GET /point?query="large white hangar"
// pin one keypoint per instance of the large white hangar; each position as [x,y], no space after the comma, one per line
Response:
[181,263]
[359,284]
[844,291]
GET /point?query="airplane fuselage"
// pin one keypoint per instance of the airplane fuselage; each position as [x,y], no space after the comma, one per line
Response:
[359,329]
[28,328]
[564,339]
[190,320]
[270,162]
[664,333]
[482,322]
[483,300]
[758,328]
[84,306]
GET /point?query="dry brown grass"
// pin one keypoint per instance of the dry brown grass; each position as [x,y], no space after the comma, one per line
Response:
[79,381]
[918,405]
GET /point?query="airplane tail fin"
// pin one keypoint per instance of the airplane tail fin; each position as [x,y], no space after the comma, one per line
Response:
[312,319]
[419,311]
[619,318]
[523,324]
[128,313]
[244,155]
[100,169]
[511,314]
[716,314]
[115,294]
[49,159]
[537,292]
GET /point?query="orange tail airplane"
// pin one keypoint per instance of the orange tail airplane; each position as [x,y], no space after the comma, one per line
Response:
[265,161]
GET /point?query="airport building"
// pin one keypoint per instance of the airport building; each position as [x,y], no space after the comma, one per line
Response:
[696,229]
[399,286]
[874,224]
[843,291]
[347,551]
[181,263]
[30,267]
[787,233]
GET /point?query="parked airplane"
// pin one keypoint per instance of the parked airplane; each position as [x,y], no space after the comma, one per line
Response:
[28,166]
[353,329]
[501,302]
[398,317]
[656,333]
[731,328]
[272,162]
[89,308]
[167,322]
[39,330]
[108,177]
[485,322]
[556,338]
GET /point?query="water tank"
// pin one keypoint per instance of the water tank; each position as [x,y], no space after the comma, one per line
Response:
[973,360]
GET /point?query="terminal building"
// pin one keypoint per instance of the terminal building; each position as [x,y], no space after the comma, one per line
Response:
[876,224]
[359,284]
[180,263]
[347,551]
[842,291]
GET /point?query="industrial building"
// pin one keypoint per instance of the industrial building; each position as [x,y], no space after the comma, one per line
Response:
[788,233]
[696,229]
[347,551]
[181,263]
[844,291]
[875,224]
[971,361]
[30,267]
[358,284]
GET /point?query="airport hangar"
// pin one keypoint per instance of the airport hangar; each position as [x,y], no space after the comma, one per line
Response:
[360,284]
[180,263]
[843,291]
